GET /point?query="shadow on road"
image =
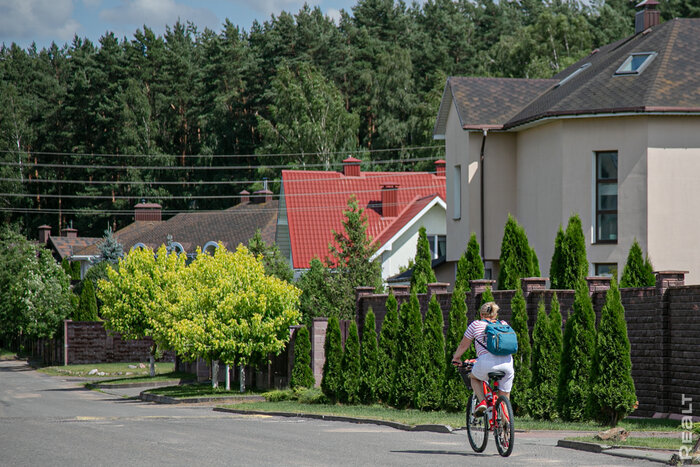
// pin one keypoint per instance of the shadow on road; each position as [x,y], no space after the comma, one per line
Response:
[449,453]
[15,368]
[77,388]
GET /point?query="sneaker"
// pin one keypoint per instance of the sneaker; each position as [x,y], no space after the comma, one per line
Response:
[480,408]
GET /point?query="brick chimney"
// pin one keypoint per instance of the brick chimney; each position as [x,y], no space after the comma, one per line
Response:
[69,232]
[648,17]
[245,196]
[351,167]
[44,233]
[390,207]
[261,196]
[148,212]
[440,168]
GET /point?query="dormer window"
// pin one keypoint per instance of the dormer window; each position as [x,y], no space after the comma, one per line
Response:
[568,78]
[635,63]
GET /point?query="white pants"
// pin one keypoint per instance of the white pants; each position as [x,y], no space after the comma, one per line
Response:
[489,362]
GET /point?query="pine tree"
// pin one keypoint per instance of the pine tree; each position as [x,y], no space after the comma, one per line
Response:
[302,374]
[409,355]
[555,266]
[522,358]
[470,266]
[432,377]
[579,345]
[87,308]
[423,273]
[545,366]
[516,256]
[455,391]
[369,360]
[331,382]
[388,341]
[612,395]
[637,270]
[350,389]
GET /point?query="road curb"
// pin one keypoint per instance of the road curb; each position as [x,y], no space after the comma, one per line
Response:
[336,418]
[629,453]
[155,384]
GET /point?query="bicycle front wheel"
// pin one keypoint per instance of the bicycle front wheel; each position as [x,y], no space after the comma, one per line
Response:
[504,428]
[477,427]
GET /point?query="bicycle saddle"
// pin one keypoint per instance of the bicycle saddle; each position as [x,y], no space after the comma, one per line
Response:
[496,375]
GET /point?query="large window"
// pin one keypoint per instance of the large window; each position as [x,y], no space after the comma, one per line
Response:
[606,197]
[438,245]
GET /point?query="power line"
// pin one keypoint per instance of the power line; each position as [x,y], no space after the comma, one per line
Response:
[224,167]
[217,156]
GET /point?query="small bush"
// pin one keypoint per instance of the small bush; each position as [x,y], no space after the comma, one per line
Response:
[279,395]
[312,396]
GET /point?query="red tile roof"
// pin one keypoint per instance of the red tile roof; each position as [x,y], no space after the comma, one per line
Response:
[315,202]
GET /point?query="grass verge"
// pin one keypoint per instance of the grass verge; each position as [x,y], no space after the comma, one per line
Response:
[107,369]
[635,442]
[198,390]
[171,376]
[6,354]
[455,420]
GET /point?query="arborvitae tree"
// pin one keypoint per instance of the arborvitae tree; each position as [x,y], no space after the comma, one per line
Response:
[431,383]
[522,358]
[454,394]
[486,297]
[579,346]
[302,374]
[555,266]
[388,341]
[637,271]
[369,360]
[470,266]
[612,396]
[546,352]
[516,256]
[573,262]
[423,273]
[332,382]
[535,269]
[350,391]
[409,355]
[87,308]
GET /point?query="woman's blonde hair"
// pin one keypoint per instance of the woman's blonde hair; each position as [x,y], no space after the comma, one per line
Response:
[489,310]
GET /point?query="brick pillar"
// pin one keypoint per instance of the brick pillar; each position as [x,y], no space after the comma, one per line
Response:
[598,284]
[530,284]
[437,288]
[664,280]
[479,286]
[318,354]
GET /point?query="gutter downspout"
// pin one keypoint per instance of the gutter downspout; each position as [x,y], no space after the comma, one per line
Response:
[481,167]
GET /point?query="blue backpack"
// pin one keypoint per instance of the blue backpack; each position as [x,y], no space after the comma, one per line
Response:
[500,339]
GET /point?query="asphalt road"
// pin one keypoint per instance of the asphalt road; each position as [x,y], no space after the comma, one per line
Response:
[47,420]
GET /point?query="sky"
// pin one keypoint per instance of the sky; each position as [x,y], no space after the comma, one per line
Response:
[47,21]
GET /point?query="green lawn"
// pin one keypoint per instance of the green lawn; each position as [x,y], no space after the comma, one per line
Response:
[653,443]
[171,376]
[455,420]
[199,390]
[110,370]
[6,354]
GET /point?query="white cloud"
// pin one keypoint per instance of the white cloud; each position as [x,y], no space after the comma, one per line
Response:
[334,14]
[157,13]
[31,19]
[270,7]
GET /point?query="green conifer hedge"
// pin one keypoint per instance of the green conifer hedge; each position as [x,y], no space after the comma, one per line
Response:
[87,307]
[638,272]
[522,358]
[423,273]
[350,390]
[546,352]
[369,360]
[612,395]
[455,392]
[302,374]
[388,340]
[579,346]
[409,355]
[331,382]
[432,378]
[470,266]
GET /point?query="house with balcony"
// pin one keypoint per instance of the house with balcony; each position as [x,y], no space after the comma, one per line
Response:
[614,138]
[396,204]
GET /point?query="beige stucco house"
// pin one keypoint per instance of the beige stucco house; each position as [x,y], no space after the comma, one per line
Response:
[614,138]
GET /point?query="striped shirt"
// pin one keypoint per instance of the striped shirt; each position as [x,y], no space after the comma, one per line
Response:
[477,331]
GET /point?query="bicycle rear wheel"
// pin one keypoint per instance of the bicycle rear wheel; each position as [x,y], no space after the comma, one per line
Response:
[504,428]
[477,427]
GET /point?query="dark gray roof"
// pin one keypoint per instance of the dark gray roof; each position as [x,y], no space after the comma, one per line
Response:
[670,84]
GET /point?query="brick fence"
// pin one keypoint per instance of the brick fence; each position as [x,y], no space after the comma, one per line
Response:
[90,342]
[663,325]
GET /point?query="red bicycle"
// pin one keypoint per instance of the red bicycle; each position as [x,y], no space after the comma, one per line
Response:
[498,416]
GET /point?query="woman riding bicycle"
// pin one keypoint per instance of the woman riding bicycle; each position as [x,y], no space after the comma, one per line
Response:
[487,362]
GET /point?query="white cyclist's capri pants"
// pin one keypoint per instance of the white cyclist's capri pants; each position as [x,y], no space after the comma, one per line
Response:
[489,362]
